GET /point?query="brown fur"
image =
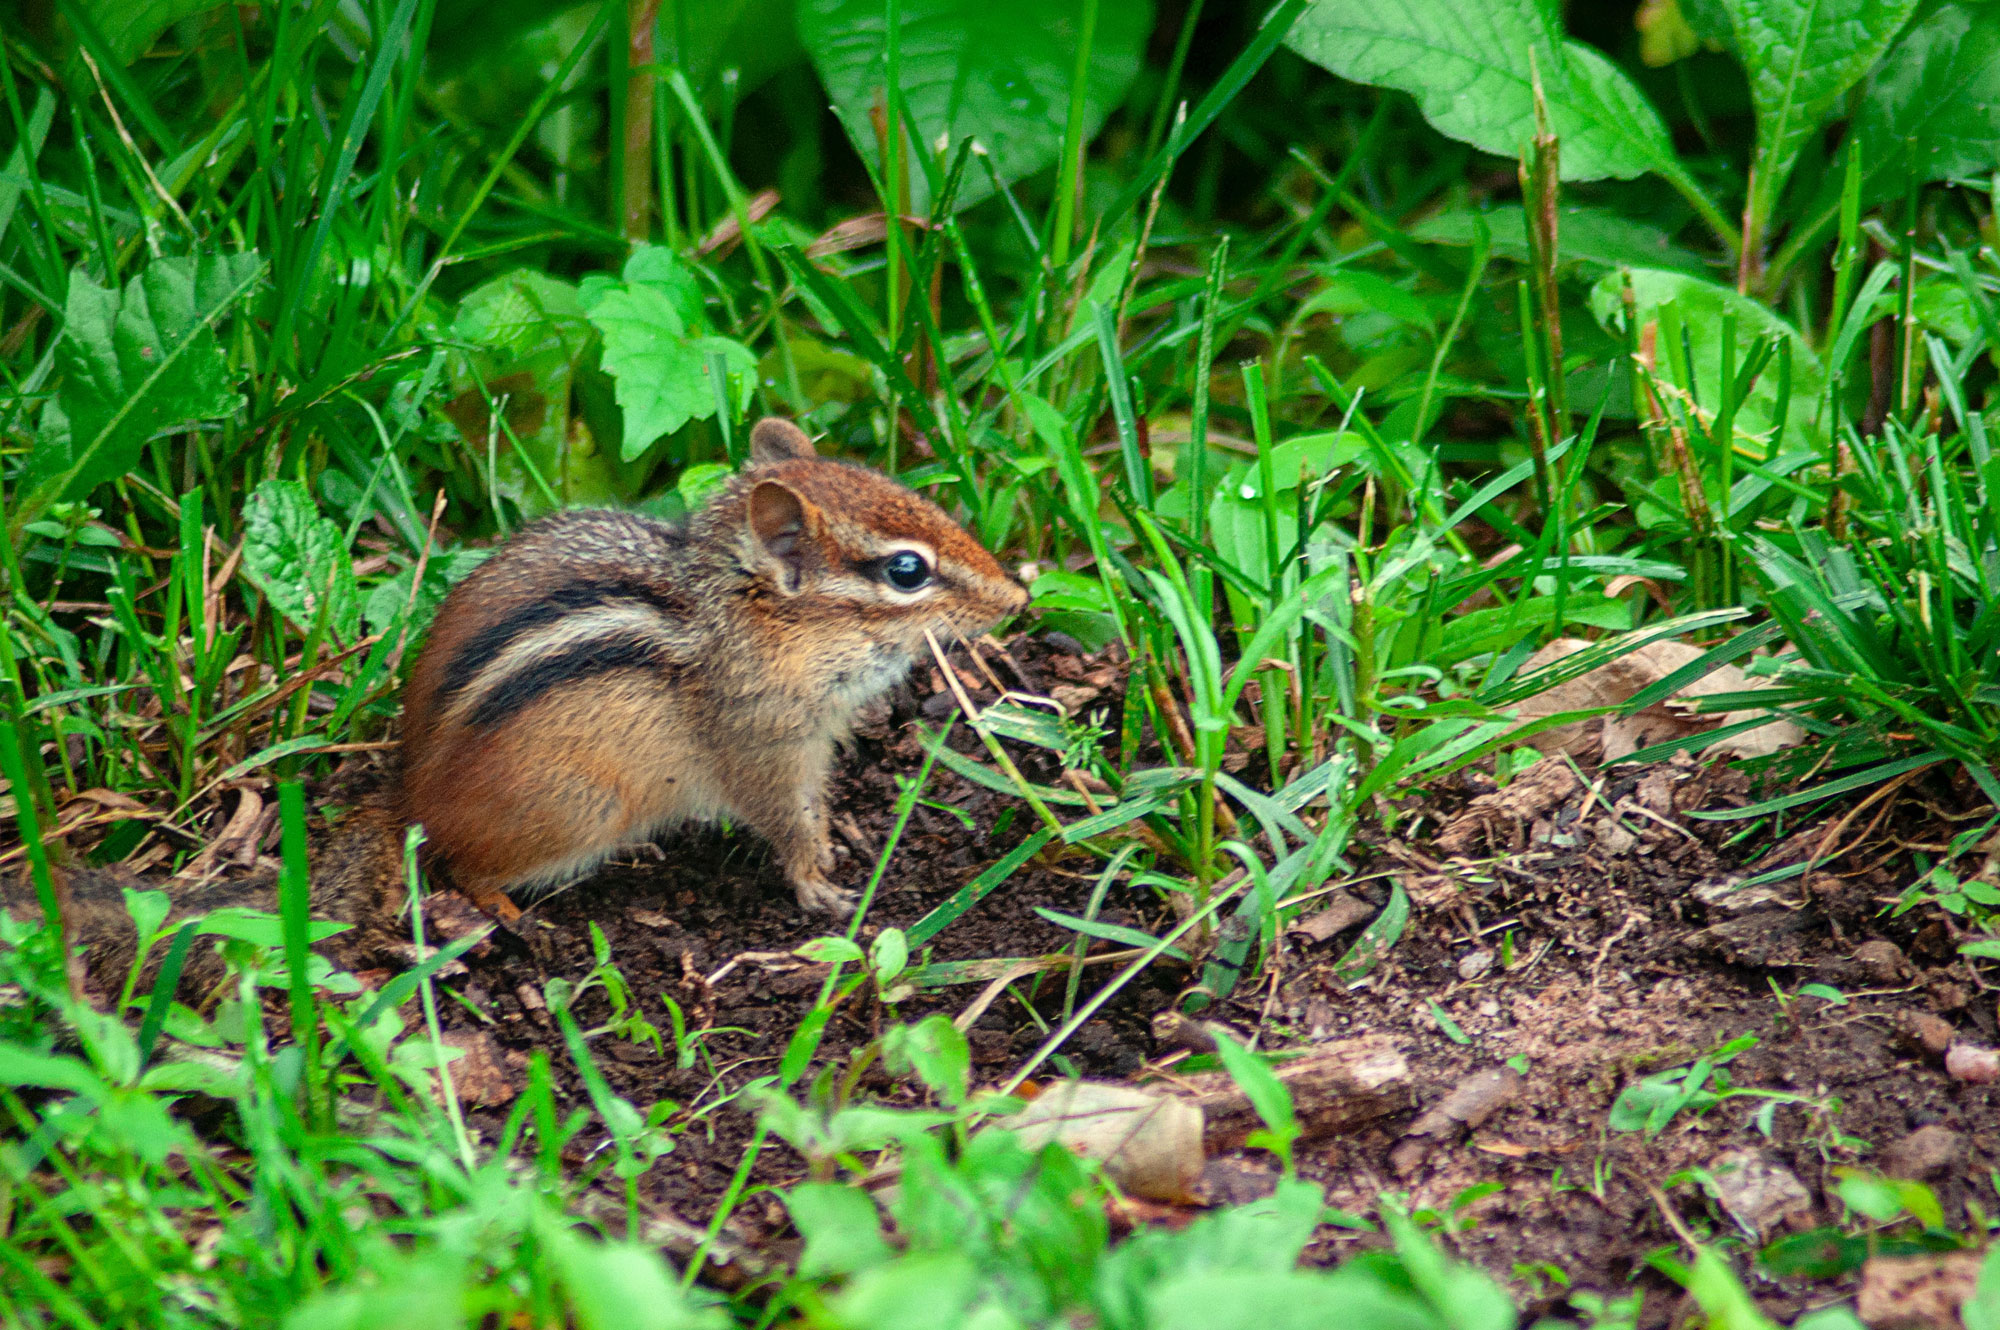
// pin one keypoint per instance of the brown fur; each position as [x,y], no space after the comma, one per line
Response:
[761,634]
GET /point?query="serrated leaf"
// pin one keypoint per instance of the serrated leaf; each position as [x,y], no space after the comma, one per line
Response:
[1469,68]
[1801,55]
[298,559]
[657,350]
[521,315]
[996,73]
[134,362]
[663,270]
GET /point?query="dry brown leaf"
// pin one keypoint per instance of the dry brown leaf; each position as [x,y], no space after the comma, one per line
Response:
[1618,681]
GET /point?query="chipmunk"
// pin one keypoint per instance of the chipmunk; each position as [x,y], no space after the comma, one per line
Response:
[605,675]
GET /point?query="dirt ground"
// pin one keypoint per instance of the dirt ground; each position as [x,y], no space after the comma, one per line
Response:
[1589,930]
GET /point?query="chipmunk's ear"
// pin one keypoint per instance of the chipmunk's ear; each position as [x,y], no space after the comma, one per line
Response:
[782,522]
[774,439]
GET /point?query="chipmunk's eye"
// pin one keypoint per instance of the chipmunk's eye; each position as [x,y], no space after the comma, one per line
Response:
[906,571]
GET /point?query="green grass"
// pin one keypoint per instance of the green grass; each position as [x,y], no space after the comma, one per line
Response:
[1329,418]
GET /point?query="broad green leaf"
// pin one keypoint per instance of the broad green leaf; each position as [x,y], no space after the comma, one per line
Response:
[657,348]
[1596,238]
[936,1051]
[1801,55]
[523,315]
[299,560]
[702,482]
[889,954]
[1199,1298]
[411,1293]
[1358,291]
[620,1285]
[841,1227]
[1469,67]
[47,1071]
[997,73]
[829,951]
[1700,306]
[148,909]
[134,362]
[1934,104]
[922,1291]
[1982,1310]
[527,345]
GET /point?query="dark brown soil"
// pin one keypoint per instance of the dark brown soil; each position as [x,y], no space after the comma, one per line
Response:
[1589,947]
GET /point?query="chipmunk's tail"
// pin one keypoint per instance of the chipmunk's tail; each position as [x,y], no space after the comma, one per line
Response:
[356,877]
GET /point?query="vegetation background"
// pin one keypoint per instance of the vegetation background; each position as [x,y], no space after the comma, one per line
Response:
[1331,358]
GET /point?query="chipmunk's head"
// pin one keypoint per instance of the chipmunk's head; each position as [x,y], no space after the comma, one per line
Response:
[851,547]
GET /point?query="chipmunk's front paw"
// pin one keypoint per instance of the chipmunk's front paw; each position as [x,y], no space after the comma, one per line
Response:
[818,895]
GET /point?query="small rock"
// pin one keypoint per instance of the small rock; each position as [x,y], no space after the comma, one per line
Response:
[1883,961]
[1613,838]
[1474,964]
[1063,642]
[1236,1182]
[1917,1292]
[1149,1143]
[1477,1098]
[1656,790]
[1927,1032]
[1924,1153]
[1969,1062]
[1073,698]
[1759,1193]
